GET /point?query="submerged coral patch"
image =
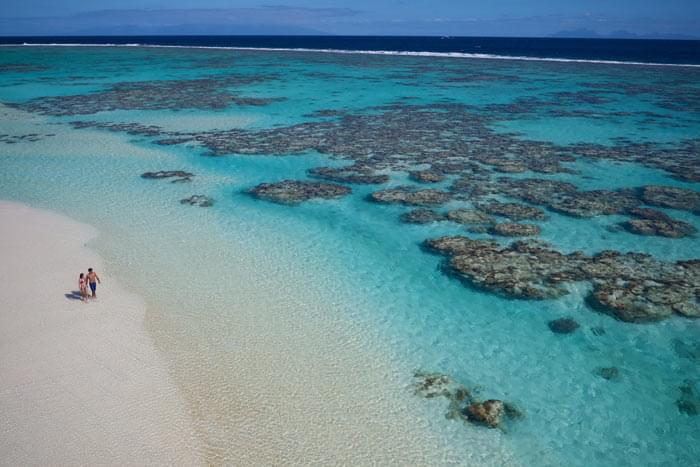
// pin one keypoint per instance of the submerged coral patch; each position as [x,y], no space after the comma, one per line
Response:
[422,216]
[208,93]
[512,229]
[660,227]
[26,137]
[21,68]
[632,287]
[653,222]
[137,129]
[352,174]
[178,176]
[295,191]
[202,201]
[470,216]
[608,372]
[410,196]
[426,176]
[463,403]
[514,211]
[672,197]
[689,401]
[563,325]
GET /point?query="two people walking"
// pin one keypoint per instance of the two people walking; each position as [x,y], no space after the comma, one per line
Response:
[90,279]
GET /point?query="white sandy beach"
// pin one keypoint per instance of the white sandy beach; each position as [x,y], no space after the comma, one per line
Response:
[80,384]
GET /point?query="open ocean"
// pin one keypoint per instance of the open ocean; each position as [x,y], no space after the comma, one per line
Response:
[464,193]
[610,50]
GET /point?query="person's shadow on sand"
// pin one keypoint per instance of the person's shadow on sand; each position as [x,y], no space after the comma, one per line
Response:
[73,295]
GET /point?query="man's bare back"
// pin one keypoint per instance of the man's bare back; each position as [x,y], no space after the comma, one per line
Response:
[93,279]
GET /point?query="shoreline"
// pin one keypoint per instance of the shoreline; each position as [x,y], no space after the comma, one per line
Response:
[271,398]
[80,383]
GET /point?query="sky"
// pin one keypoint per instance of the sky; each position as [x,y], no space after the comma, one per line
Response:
[651,18]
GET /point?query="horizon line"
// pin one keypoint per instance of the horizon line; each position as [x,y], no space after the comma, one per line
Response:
[441,36]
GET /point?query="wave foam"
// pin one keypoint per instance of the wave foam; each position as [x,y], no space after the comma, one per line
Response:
[370,52]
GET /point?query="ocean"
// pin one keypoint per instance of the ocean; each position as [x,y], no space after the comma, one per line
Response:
[458,196]
[610,50]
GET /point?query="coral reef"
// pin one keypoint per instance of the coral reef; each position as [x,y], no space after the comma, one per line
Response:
[632,287]
[514,211]
[563,325]
[463,404]
[295,191]
[422,216]
[426,176]
[177,175]
[410,196]
[470,216]
[511,229]
[198,200]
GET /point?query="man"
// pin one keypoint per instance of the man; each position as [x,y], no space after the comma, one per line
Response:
[93,279]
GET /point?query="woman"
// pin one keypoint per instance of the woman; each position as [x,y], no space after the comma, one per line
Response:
[82,283]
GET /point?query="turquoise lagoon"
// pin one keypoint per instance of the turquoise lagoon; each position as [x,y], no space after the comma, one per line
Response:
[353,261]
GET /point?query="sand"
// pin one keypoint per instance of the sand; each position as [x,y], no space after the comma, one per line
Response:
[80,384]
[267,380]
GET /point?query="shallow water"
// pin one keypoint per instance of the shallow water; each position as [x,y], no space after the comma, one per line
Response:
[352,264]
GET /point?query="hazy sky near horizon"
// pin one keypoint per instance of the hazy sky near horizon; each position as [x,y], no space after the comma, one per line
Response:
[451,17]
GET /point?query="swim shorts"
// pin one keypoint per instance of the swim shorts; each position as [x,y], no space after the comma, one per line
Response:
[93,286]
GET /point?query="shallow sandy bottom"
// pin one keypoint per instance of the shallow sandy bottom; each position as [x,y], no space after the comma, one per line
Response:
[80,384]
[83,384]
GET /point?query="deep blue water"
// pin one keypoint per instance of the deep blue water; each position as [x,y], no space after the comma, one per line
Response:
[626,50]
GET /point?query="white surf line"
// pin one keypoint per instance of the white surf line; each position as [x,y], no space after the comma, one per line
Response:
[369,52]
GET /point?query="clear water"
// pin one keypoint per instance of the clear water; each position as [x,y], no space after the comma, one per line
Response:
[352,260]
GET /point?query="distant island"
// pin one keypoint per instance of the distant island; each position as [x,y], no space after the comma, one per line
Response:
[583,33]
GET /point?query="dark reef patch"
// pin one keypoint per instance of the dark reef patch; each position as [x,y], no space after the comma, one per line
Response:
[426,176]
[422,216]
[463,403]
[564,198]
[198,200]
[209,93]
[687,349]
[21,68]
[470,217]
[295,191]
[514,211]
[512,229]
[608,372]
[136,129]
[632,287]
[26,137]
[662,227]
[671,197]
[178,176]
[410,196]
[352,174]
[563,325]
[689,401]
[255,101]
